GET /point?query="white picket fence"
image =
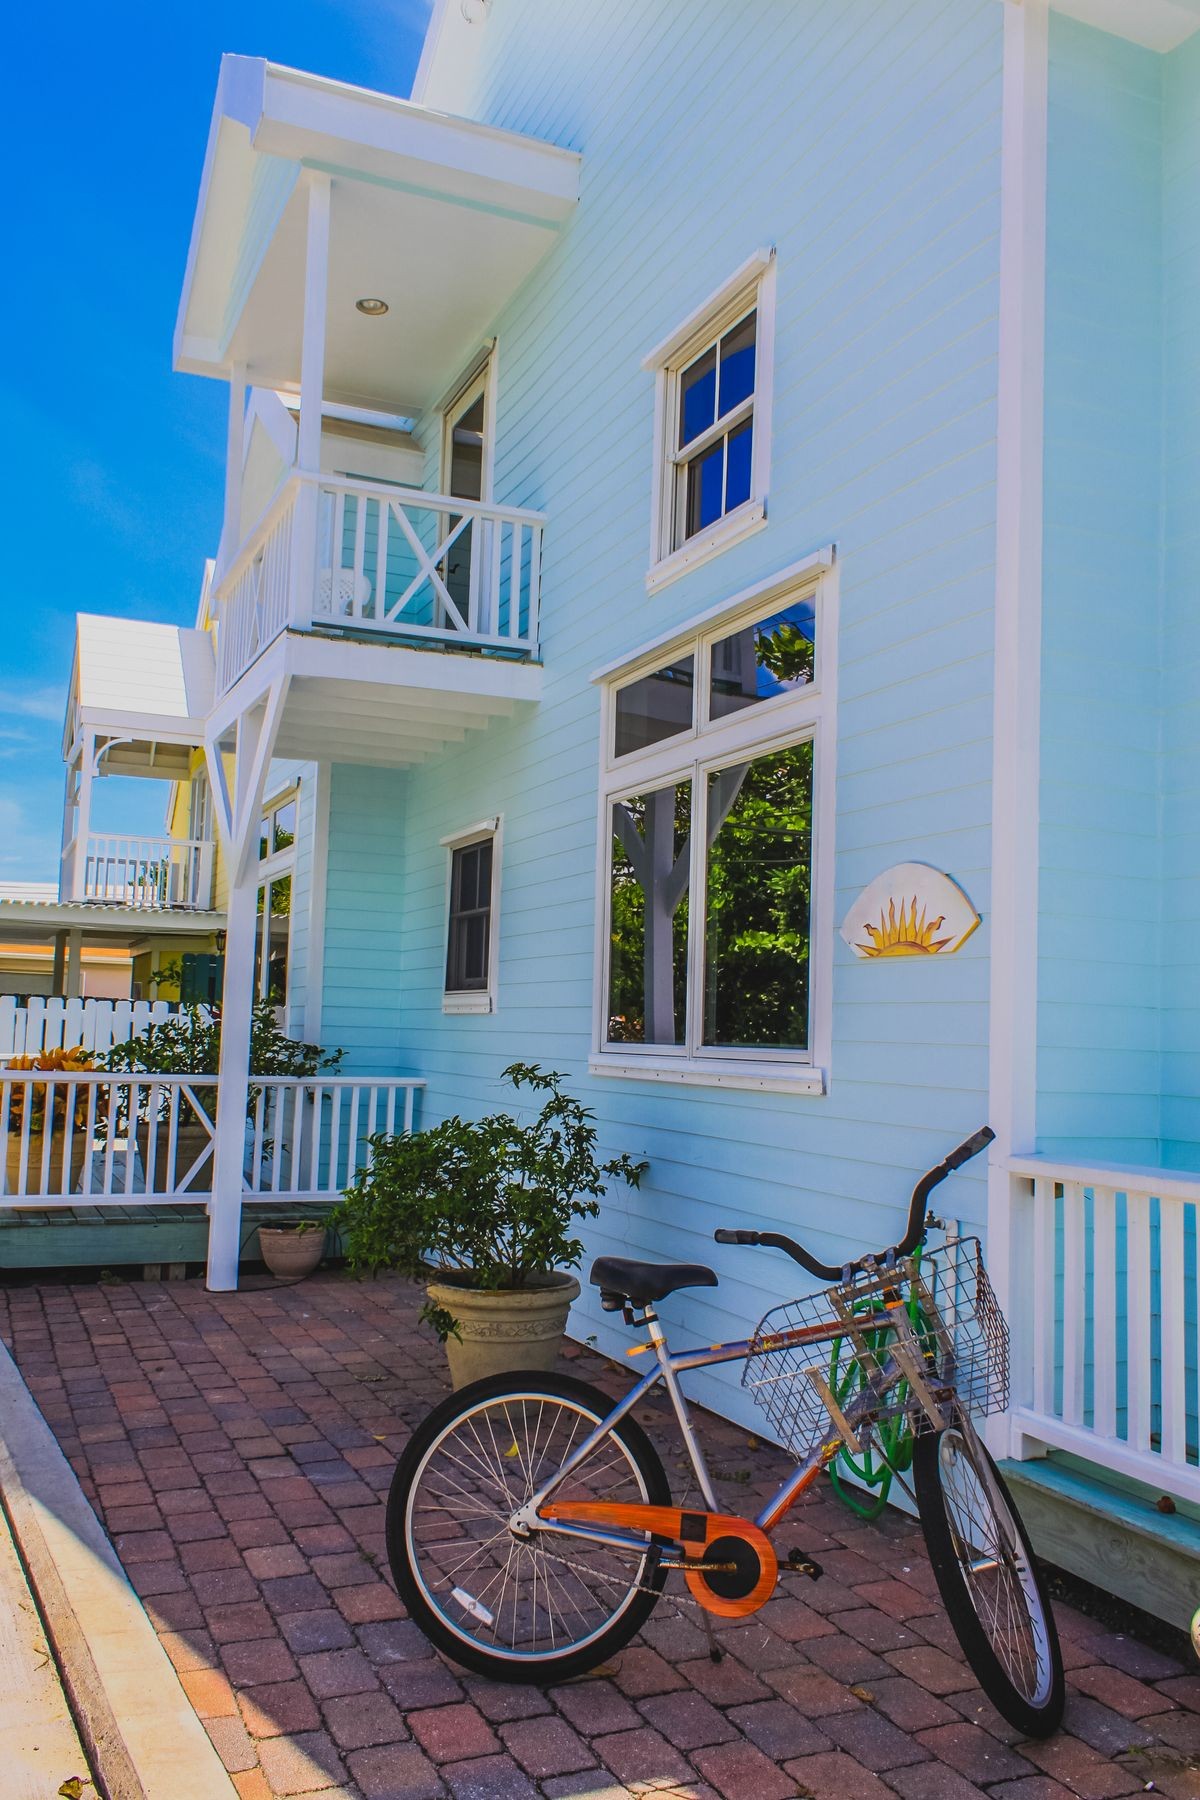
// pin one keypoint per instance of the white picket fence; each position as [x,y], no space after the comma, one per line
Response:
[55,1024]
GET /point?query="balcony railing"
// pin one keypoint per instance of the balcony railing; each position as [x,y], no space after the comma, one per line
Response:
[1106,1344]
[147,872]
[388,563]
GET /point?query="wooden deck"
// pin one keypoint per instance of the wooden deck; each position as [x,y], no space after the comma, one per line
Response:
[90,1237]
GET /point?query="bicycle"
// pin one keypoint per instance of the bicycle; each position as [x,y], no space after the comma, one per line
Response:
[530,1523]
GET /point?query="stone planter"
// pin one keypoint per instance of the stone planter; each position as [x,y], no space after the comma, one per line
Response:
[290,1252]
[505,1328]
[59,1180]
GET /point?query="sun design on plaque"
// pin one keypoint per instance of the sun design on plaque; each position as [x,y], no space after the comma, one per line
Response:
[911,910]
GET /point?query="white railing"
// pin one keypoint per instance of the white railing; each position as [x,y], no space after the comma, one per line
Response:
[309,1137]
[385,561]
[149,872]
[255,598]
[89,1138]
[55,1024]
[1105,1303]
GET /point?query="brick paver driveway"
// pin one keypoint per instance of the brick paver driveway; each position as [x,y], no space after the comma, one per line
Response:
[239,1446]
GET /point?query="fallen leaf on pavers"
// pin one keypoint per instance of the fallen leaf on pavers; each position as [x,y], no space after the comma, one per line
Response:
[862,1693]
[72,1788]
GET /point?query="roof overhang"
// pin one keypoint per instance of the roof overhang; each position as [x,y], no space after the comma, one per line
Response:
[444,218]
[1158,24]
[36,921]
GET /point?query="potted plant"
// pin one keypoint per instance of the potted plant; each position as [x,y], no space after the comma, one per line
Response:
[189,1043]
[62,1172]
[294,1247]
[483,1211]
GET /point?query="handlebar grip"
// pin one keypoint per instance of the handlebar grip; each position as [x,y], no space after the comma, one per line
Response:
[735,1237]
[974,1144]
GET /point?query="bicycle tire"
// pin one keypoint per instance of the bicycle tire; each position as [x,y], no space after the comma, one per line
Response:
[1036,1706]
[446,1627]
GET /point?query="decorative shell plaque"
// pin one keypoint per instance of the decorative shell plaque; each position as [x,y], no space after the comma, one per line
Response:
[911,910]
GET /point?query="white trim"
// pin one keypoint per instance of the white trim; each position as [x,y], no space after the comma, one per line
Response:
[480,379]
[817,562]
[750,289]
[743,522]
[475,1000]
[677,342]
[808,1080]
[1012,1033]
[809,715]
[318,883]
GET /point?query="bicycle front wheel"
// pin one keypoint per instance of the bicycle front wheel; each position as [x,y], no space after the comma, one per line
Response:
[988,1578]
[542,1608]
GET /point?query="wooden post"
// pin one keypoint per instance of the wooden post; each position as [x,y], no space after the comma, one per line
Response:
[58,975]
[231,526]
[83,813]
[312,396]
[237,999]
[75,962]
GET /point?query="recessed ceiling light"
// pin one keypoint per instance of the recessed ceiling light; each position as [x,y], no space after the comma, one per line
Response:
[374,309]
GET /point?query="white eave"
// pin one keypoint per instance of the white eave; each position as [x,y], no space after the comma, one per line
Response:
[421,201]
[142,682]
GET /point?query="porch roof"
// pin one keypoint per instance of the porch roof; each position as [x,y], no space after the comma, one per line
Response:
[145,683]
[442,218]
[36,921]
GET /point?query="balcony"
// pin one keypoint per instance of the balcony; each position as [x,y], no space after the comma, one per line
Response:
[146,873]
[380,564]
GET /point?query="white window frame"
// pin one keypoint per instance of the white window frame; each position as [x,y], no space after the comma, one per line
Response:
[751,288]
[480,377]
[808,715]
[270,867]
[474,1000]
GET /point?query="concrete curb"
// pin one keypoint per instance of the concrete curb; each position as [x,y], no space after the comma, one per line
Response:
[137,1725]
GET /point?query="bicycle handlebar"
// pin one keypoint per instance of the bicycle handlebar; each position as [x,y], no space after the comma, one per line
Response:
[775,1240]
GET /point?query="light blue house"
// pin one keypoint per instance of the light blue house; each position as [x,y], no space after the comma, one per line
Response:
[698,460]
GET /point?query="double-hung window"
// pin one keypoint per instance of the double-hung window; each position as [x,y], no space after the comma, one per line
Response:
[276,867]
[716,808]
[713,411]
[472,882]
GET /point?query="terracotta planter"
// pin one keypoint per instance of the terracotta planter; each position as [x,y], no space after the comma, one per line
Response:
[191,1139]
[55,1183]
[289,1252]
[505,1328]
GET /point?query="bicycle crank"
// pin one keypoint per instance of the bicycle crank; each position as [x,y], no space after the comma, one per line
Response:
[728,1563]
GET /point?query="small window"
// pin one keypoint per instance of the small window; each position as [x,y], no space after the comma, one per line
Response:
[471,921]
[655,707]
[763,660]
[714,406]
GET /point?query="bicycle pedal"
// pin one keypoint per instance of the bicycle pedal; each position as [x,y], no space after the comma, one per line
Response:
[799,1563]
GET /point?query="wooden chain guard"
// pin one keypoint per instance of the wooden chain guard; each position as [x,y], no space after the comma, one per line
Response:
[702,1537]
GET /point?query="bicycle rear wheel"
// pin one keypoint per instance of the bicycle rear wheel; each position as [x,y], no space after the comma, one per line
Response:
[988,1578]
[542,1608]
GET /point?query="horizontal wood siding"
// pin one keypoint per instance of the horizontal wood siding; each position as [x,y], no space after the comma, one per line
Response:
[364,909]
[862,141]
[1101,858]
[1181,612]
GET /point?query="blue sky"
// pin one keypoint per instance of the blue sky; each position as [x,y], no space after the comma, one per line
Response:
[111,464]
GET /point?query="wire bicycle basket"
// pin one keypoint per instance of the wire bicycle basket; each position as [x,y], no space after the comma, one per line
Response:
[957,1330]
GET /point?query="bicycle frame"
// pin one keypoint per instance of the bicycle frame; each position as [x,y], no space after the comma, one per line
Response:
[669,1365]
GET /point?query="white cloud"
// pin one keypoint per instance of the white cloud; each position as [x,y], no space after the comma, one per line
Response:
[49,703]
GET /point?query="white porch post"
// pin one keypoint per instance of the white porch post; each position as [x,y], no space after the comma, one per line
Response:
[238,816]
[312,394]
[83,813]
[231,525]
[1012,1048]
